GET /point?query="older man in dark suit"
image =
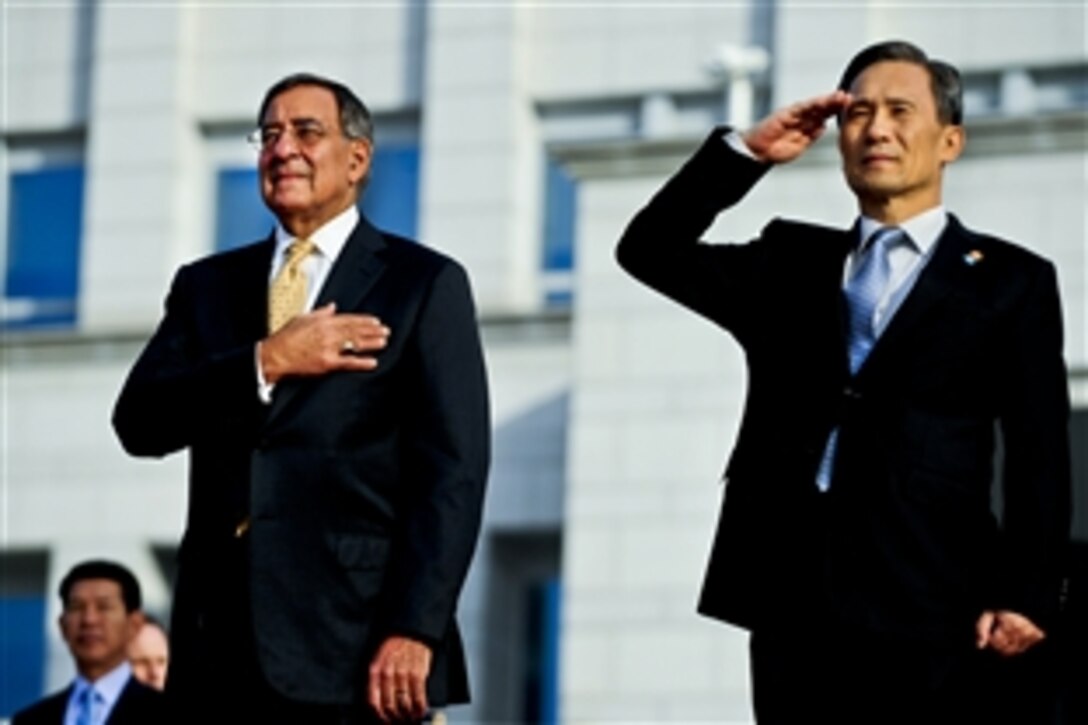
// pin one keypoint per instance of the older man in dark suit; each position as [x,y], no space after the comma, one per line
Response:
[856,538]
[329,385]
[101,614]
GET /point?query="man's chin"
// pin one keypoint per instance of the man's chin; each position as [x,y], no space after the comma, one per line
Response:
[874,186]
[286,205]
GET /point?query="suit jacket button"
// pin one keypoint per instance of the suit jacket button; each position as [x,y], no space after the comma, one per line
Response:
[851,392]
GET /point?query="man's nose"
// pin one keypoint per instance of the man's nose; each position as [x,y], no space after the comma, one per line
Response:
[879,126]
[285,145]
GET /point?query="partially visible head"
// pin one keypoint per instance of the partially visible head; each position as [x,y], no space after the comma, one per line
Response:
[149,654]
[355,120]
[101,613]
[899,129]
[316,140]
[944,79]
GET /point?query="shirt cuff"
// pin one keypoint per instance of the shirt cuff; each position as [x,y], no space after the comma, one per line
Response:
[264,388]
[736,142]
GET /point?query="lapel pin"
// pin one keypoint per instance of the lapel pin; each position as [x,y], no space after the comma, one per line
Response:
[973,257]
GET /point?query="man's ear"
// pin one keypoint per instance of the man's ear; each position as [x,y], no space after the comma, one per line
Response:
[953,139]
[136,620]
[359,162]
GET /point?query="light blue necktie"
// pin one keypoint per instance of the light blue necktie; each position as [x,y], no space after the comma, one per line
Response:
[85,707]
[862,293]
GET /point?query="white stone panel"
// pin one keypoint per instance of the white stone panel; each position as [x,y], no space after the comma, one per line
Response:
[617,48]
[44,65]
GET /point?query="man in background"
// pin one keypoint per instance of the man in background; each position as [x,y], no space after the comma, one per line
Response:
[328,383]
[149,654]
[101,614]
[857,540]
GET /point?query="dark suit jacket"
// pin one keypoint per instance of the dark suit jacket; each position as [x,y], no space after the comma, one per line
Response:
[364,489]
[905,541]
[137,705]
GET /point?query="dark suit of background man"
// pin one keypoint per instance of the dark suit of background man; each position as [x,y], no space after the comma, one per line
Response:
[337,464]
[856,538]
[100,614]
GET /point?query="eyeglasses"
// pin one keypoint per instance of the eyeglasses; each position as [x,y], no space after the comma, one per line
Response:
[307,134]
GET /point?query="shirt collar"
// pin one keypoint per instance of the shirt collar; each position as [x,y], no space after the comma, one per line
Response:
[108,686]
[923,229]
[329,238]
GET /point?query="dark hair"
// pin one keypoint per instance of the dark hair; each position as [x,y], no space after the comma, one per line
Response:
[355,120]
[102,569]
[944,79]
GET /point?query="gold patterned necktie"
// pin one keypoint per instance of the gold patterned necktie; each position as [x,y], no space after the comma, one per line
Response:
[287,293]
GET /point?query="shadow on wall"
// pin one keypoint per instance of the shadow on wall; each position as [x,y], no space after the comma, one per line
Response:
[525,511]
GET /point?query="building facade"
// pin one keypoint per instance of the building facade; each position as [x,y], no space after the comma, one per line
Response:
[519,138]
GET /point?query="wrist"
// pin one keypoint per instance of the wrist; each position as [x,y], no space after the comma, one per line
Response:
[267,369]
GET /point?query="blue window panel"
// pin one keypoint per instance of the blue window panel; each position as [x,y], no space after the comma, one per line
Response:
[45,224]
[391,199]
[240,214]
[549,655]
[541,685]
[560,211]
[22,652]
[562,298]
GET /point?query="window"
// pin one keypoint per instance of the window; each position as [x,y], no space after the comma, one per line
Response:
[22,620]
[240,214]
[390,201]
[523,618]
[45,224]
[542,652]
[560,212]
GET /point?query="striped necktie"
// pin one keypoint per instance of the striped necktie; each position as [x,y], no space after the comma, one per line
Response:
[864,290]
[862,293]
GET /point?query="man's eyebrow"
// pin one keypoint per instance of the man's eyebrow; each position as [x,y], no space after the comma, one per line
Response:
[860,101]
[297,121]
[866,102]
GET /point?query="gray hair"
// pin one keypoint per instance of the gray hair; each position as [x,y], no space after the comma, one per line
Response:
[355,120]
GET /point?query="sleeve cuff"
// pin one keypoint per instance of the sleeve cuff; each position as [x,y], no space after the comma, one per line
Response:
[264,388]
[735,141]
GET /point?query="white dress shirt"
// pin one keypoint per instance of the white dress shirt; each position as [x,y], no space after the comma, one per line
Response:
[329,239]
[107,689]
[906,259]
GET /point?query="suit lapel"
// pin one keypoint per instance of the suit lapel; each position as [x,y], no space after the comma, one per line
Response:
[120,715]
[358,267]
[843,242]
[249,290]
[58,705]
[944,274]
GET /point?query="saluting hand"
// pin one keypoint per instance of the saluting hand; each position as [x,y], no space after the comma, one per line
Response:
[322,341]
[788,132]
